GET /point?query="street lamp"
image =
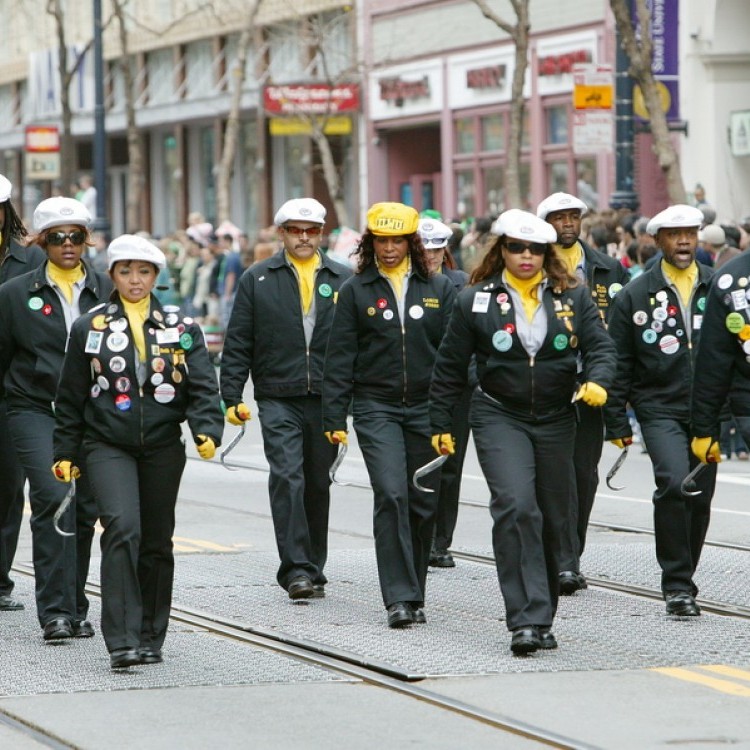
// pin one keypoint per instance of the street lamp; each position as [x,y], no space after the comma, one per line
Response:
[101,223]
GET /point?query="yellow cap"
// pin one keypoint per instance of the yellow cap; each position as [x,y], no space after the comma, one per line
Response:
[392,219]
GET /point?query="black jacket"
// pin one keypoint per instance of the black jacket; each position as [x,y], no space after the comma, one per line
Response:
[529,388]
[33,335]
[605,277]
[20,260]
[373,353]
[266,338]
[654,367]
[721,363]
[99,397]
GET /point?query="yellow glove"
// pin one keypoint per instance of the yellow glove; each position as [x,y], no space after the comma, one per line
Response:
[64,471]
[337,436]
[622,442]
[706,450]
[238,415]
[592,394]
[444,444]
[205,446]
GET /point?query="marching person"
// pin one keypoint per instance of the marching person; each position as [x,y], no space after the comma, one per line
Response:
[656,324]
[15,260]
[435,236]
[390,318]
[37,311]
[604,276]
[134,371]
[277,333]
[525,320]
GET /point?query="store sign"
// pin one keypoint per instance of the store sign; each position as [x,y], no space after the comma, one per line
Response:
[556,58]
[478,79]
[336,125]
[491,77]
[739,130]
[399,90]
[402,91]
[42,147]
[311,99]
[555,65]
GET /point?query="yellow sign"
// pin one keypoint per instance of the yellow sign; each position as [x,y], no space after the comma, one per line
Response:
[339,125]
[639,103]
[592,97]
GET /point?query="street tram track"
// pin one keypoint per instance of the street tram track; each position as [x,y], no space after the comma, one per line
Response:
[375,673]
[39,736]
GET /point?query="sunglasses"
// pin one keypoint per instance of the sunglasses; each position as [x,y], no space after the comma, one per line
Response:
[58,238]
[517,248]
[298,231]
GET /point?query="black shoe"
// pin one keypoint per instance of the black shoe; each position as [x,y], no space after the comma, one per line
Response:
[319,591]
[83,629]
[441,558]
[57,629]
[150,656]
[121,658]
[682,604]
[570,582]
[9,604]
[525,641]
[547,638]
[418,616]
[300,588]
[400,615]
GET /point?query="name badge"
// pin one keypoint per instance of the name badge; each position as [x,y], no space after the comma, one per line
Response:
[167,335]
[93,342]
[739,299]
[697,322]
[481,302]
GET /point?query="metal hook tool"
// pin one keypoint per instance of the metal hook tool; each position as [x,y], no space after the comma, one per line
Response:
[436,463]
[688,486]
[63,507]
[232,445]
[615,468]
[343,448]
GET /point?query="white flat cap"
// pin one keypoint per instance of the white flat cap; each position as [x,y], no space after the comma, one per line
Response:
[301,209]
[5,189]
[522,225]
[560,202]
[679,215]
[59,211]
[434,233]
[712,234]
[132,247]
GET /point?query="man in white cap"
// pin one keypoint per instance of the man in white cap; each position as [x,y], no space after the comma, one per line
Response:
[15,260]
[656,324]
[278,333]
[604,276]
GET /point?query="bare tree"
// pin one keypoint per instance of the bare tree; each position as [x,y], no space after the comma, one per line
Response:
[232,128]
[639,51]
[519,32]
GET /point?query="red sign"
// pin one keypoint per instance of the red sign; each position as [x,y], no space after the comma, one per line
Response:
[398,89]
[311,99]
[491,77]
[554,65]
[42,139]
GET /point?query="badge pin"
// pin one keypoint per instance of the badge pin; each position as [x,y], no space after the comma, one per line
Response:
[416,312]
[388,315]
[324,290]
[502,340]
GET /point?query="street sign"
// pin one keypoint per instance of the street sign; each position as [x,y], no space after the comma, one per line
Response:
[593,119]
[593,133]
[42,146]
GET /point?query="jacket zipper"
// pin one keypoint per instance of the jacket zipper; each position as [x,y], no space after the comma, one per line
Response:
[532,360]
[403,358]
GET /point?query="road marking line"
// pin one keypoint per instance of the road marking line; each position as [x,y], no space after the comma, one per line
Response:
[640,500]
[723,686]
[738,674]
[198,545]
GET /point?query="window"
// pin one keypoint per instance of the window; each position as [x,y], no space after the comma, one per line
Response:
[557,124]
[465,140]
[160,76]
[494,190]
[493,133]
[199,69]
[586,182]
[557,177]
[465,193]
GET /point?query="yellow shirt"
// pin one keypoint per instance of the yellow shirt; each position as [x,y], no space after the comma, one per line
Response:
[64,278]
[137,313]
[527,288]
[683,278]
[398,274]
[570,256]
[306,268]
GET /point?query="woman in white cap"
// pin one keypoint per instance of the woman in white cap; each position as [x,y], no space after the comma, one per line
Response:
[525,319]
[16,259]
[36,313]
[134,371]
[390,318]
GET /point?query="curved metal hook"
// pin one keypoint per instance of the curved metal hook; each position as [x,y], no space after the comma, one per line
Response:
[343,448]
[63,507]
[688,486]
[232,445]
[436,463]
[615,468]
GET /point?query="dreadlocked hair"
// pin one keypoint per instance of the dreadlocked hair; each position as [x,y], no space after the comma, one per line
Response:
[14,228]
[365,253]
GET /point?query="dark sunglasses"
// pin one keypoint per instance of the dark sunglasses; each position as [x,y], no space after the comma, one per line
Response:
[519,247]
[58,238]
[309,231]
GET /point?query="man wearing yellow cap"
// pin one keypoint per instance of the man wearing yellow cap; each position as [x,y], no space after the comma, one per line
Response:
[389,321]
[278,332]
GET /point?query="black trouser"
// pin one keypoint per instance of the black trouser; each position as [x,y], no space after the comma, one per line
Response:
[11,500]
[680,522]
[450,478]
[586,456]
[136,494]
[299,457]
[528,466]
[742,424]
[61,564]
[395,442]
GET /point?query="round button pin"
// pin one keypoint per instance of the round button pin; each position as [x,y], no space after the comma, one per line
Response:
[502,340]
[324,290]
